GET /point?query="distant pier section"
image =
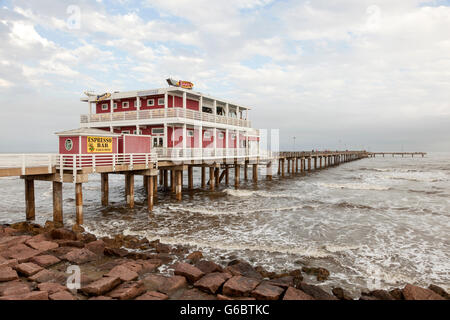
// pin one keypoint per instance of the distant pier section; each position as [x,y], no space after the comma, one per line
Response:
[393,154]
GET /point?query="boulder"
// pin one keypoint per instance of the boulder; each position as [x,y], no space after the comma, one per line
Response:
[411,292]
[51,287]
[45,260]
[59,252]
[127,291]
[152,295]
[322,274]
[295,294]
[22,253]
[195,294]
[35,295]
[208,266]
[315,292]
[154,281]
[8,274]
[266,291]
[101,286]
[70,243]
[97,247]
[42,245]
[195,256]
[341,294]
[244,269]
[63,234]
[212,282]
[122,272]
[239,286]
[14,288]
[48,276]
[162,248]
[9,263]
[172,284]
[381,294]
[187,270]
[62,295]
[80,256]
[397,294]
[283,282]
[101,298]
[440,291]
[28,268]
[115,252]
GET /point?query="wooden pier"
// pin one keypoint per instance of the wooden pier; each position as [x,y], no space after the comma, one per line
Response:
[167,174]
[402,154]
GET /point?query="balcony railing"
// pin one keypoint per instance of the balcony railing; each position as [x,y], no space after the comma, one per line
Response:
[207,153]
[164,113]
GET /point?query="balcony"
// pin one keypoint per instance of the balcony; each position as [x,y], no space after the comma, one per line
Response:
[163,114]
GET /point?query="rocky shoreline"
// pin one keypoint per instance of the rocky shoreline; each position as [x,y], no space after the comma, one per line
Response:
[34,262]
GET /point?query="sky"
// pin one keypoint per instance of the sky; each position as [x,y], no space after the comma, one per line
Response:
[334,74]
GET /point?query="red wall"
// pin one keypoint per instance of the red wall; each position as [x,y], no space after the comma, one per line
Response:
[75,148]
[137,144]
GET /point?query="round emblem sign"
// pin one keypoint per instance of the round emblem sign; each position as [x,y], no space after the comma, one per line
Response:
[69,144]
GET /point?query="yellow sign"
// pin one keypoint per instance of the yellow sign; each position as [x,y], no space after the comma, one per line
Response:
[99,144]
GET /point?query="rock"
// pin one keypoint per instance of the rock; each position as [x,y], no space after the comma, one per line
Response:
[315,292]
[283,282]
[341,294]
[101,286]
[397,294]
[266,291]
[208,266]
[148,267]
[440,291]
[162,248]
[86,237]
[264,273]
[239,286]
[28,268]
[381,294]
[42,245]
[80,256]
[154,281]
[77,228]
[50,225]
[224,297]
[195,256]
[35,295]
[45,260]
[63,234]
[14,288]
[172,284]
[100,298]
[115,252]
[62,295]
[9,263]
[60,252]
[22,253]
[123,273]
[295,294]
[153,295]
[191,273]
[368,298]
[133,266]
[195,294]
[51,287]
[322,274]
[411,292]
[127,291]
[97,247]
[48,276]
[8,274]
[212,282]
[70,243]
[244,269]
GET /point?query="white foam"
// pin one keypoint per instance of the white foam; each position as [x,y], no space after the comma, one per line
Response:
[354,186]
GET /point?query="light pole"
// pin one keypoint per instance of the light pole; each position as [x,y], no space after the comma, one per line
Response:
[293,149]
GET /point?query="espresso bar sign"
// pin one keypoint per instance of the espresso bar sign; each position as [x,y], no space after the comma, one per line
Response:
[99,144]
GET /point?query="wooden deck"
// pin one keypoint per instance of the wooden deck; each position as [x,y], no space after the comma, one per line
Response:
[402,154]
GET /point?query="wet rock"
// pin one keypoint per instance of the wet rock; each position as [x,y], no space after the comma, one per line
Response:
[101,286]
[295,294]
[26,226]
[226,298]
[297,274]
[86,237]
[133,266]
[48,276]
[397,294]
[239,286]
[322,274]
[191,273]
[14,288]
[153,295]
[101,298]
[51,287]
[127,291]
[440,291]
[115,252]
[208,266]
[63,234]
[315,292]
[9,263]
[381,294]
[241,268]
[411,292]
[35,295]
[195,294]
[368,298]
[165,258]
[22,253]
[45,260]
[123,273]
[266,291]
[8,274]
[28,268]
[173,284]
[139,255]
[50,225]
[62,295]
[283,282]
[264,273]
[341,294]
[154,281]
[77,228]
[195,256]
[42,245]
[212,282]
[70,243]
[162,248]
[80,256]
[60,252]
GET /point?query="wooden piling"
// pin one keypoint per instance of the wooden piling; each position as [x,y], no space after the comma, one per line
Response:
[57,202]
[105,188]
[227,175]
[29,199]
[255,172]
[245,171]
[269,171]
[172,180]
[179,184]
[166,180]
[190,178]
[237,174]
[203,177]
[79,203]
[129,189]
[211,178]
[150,189]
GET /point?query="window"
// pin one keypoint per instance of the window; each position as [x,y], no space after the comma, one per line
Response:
[150,102]
[157,130]
[125,104]
[135,132]
[221,135]
[233,137]
[115,105]
[104,106]
[190,133]
[126,132]
[207,134]
[160,101]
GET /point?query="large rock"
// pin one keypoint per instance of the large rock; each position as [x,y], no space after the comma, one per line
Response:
[154,281]
[48,276]
[283,282]
[341,294]
[127,291]
[51,287]
[172,284]
[191,273]
[98,247]
[195,294]
[295,294]
[241,268]
[195,256]
[123,273]
[153,295]
[397,294]
[212,282]
[62,295]
[411,292]
[22,253]
[35,295]
[45,260]
[440,291]
[322,274]
[381,294]
[239,286]
[63,234]
[70,243]
[80,256]
[266,291]
[14,288]
[28,268]
[42,245]
[115,252]
[8,274]
[315,292]
[101,286]
[208,266]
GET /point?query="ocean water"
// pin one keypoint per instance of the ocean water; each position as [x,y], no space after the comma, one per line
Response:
[373,223]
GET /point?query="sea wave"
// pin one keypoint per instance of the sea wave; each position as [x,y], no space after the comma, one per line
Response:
[354,186]
[212,212]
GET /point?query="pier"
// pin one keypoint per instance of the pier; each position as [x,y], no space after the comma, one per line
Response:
[402,154]
[163,174]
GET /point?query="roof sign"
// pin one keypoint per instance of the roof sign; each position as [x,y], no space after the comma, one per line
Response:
[98,97]
[180,83]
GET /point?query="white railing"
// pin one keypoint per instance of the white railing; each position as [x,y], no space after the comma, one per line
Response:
[23,161]
[206,153]
[163,113]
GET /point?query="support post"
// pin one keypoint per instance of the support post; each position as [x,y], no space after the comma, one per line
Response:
[255,172]
[217,176]
[105,188]
[172,180]
[237,174]
[203,177]
[179,184]
[227,175]
[129,189]
[166,180]
[57,202]
[245,171]
[150,189]
[29,199]
[79,203]
[282,167]
[190,178]
[269,171]
[211,178]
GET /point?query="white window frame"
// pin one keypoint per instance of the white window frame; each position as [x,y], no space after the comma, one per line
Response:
[104,106]
[221,135]
[150,104]
[207,135]
[135,132]
[125,105]
[160,101]
[189,133]
[155,133]
[126,132]
[233,136]
[115,106]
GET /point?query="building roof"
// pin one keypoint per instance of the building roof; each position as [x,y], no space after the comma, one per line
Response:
[87,132]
